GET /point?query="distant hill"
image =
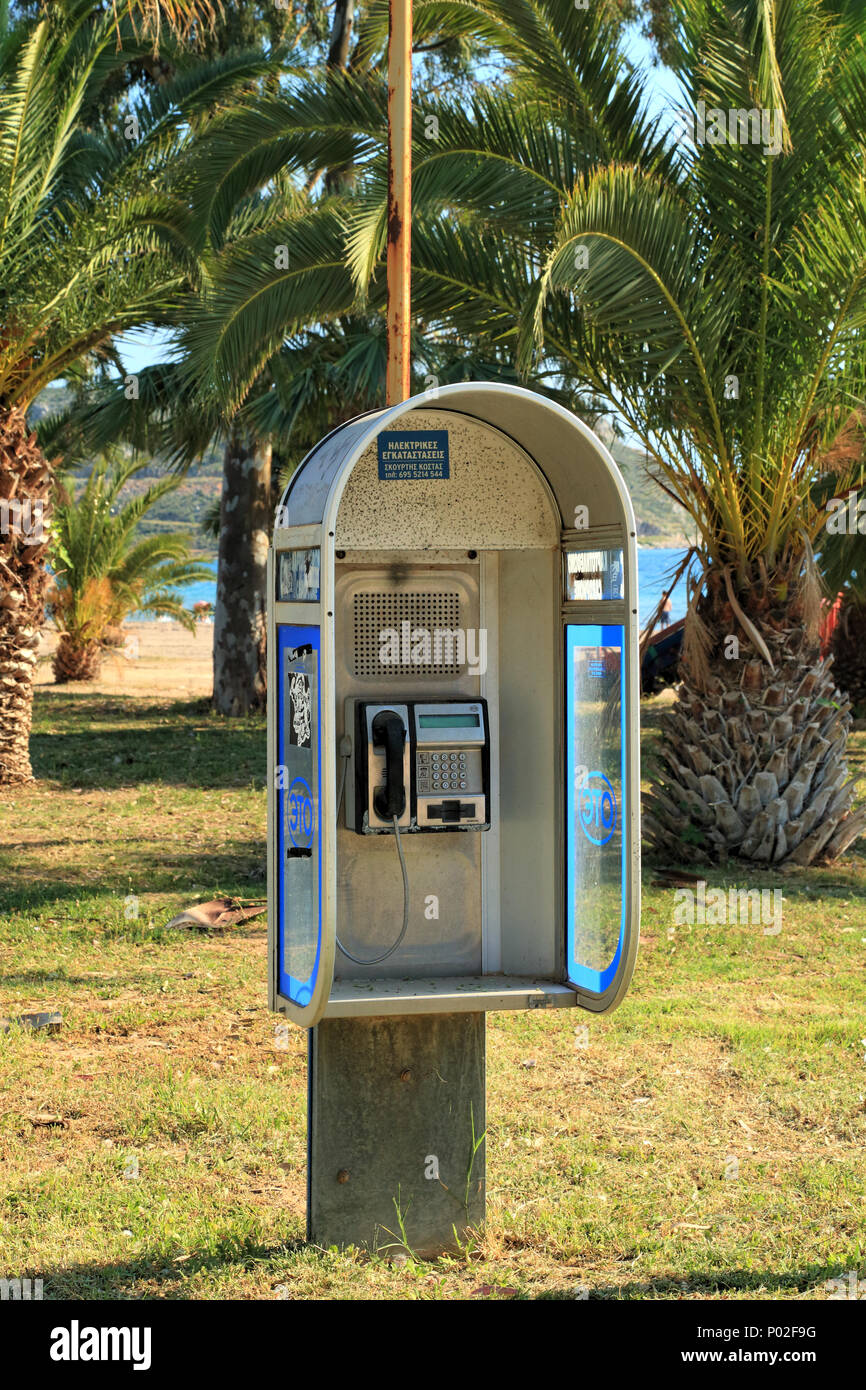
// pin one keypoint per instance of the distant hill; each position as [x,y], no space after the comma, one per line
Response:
[660,520]
[49,402]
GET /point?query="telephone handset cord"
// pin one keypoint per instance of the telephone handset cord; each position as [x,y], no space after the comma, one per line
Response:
[376,960]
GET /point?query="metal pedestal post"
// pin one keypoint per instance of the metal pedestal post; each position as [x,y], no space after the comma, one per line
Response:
[396,1119]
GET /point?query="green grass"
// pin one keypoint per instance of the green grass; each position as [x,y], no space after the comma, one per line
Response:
[175,1167]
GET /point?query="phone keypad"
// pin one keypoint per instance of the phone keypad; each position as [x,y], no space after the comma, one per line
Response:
[447,770]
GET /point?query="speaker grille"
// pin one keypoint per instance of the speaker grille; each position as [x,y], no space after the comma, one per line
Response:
[380,632]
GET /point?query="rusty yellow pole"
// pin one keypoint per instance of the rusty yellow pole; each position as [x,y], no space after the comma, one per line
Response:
[398,376]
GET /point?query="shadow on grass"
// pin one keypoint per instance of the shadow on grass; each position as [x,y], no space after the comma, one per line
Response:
[237,870]
[120,1280]
[651,710]
[88,740]
[842,880]
[123,1280]
[708,1283]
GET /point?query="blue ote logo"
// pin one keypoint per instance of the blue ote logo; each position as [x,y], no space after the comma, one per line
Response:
[302,818]
[596,806]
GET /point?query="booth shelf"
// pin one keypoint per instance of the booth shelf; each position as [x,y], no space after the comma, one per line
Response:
[448,994]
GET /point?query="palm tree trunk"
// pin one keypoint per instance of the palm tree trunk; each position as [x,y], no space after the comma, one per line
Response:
[341,34]
[25,481]
[753,759]
[74,661]
[341,179]
[239,654]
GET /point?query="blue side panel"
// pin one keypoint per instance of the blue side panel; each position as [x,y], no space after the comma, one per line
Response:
[299,799]
[596,793]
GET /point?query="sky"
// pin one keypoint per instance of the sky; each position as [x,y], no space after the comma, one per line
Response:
[664,90]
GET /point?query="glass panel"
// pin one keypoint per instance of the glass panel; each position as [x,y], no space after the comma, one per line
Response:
[298,575]
[595,787]
[593,574]
[299,788]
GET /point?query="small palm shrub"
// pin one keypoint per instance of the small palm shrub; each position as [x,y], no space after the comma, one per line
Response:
[103,574]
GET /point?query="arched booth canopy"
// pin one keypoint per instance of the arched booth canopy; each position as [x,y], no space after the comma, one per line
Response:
[452,731]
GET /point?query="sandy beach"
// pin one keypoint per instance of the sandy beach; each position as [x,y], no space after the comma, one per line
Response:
[159,659]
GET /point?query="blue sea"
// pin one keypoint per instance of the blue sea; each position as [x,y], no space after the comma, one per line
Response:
[655,568]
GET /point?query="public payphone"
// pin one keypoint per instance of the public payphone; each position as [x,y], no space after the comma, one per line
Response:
[453,698]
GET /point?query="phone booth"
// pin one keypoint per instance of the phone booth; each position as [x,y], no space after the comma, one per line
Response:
[454,790]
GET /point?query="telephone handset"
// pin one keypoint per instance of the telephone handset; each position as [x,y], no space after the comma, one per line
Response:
[389,731]
[425,762]
[385,735]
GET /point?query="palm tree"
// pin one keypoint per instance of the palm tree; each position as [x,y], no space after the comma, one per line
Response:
[711,287]
[490,176]
[95,237]
[181,407]
[103,574]
[722,309]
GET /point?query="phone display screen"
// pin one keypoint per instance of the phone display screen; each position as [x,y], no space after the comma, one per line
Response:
[449,721]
